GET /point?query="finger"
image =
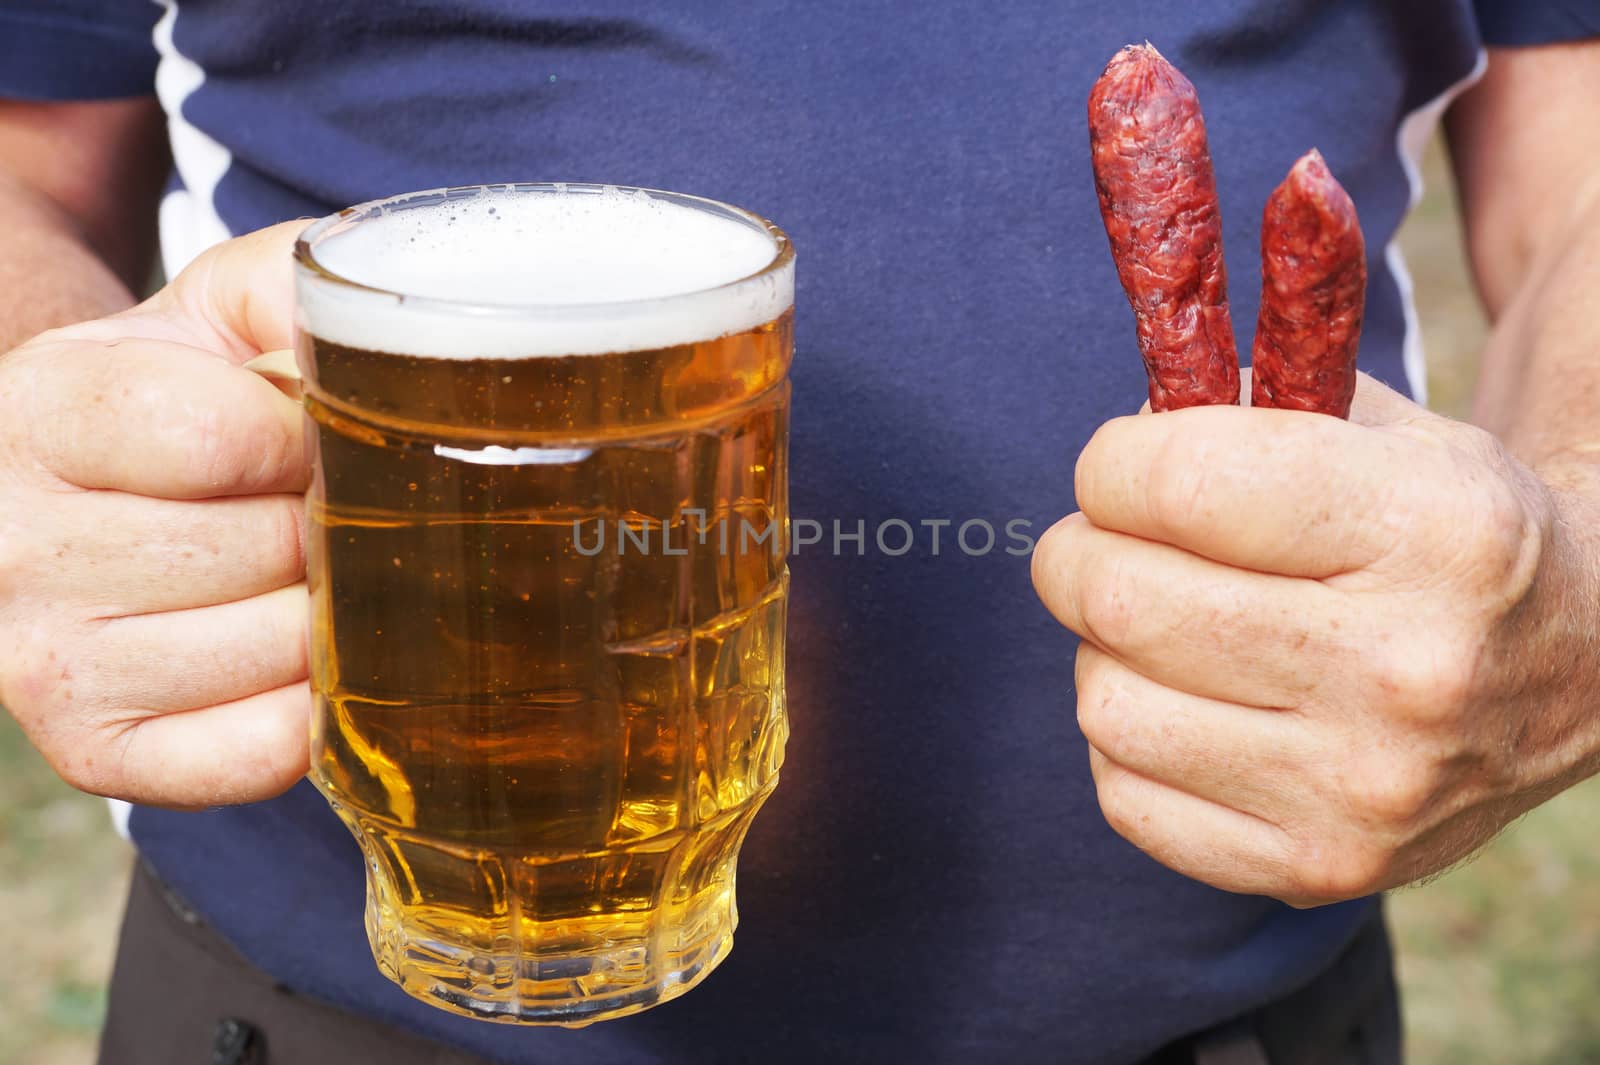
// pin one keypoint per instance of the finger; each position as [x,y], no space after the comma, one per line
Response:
[280,368]
[1377,404]
[1190,835]
[160,419]
[1186,622]
[243,751]
[119,554]
[184,659]
[1244,758]
[1280,491]
[236,299]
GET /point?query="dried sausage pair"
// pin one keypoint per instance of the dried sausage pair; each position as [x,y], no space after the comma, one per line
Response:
[1158,198]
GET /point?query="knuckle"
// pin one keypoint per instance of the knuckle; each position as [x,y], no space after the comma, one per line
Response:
[106,768]
[42,689]
[1117,792]
[1098,717]
[222,441]
[213,452]
[265,758]
[32,675]
[94,755]
[46,676]
[1515,533]
[1500,516]
[1333,871]
[80,768]
[285,750]
[1115,808]
[55,382]
[1390,793]
[1427,681]
[1500,519]
[286,537]
[1095,454]
[276,453]
[1062,573]
[272,443]
[36,535]
[1047,554]
[1103,605]
[1177,493]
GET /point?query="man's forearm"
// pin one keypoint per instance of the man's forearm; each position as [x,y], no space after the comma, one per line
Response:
[1524,159]
[1540,394]
[1540,390]
[49,276]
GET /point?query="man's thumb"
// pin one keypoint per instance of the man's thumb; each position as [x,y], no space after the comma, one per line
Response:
[1378,404]
[237,298]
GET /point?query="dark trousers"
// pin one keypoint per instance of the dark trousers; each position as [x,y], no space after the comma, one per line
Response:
[181,995]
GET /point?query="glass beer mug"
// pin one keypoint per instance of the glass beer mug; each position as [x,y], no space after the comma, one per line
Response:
[546,561]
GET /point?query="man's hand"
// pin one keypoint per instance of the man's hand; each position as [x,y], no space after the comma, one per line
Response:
[152,615]
[1321,658]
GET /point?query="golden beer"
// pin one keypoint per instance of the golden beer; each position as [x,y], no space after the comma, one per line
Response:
[546,563]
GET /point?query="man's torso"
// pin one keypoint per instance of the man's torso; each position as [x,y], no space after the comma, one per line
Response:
[932,880]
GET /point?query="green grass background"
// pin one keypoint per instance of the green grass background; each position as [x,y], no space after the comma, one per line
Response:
[1500,960]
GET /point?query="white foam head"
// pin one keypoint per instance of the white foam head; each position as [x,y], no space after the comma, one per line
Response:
[520,271]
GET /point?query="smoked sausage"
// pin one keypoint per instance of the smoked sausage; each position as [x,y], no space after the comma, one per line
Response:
[1313,294]
[1158,199]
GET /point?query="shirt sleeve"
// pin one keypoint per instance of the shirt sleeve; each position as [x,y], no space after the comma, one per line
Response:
[1530,22]
[77,49]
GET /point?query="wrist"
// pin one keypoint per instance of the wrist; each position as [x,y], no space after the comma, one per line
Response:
[1553,637]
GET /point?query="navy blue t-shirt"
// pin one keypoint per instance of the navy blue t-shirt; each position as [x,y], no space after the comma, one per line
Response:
[932,881]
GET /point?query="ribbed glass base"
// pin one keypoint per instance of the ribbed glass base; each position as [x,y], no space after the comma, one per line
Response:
[581,972]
